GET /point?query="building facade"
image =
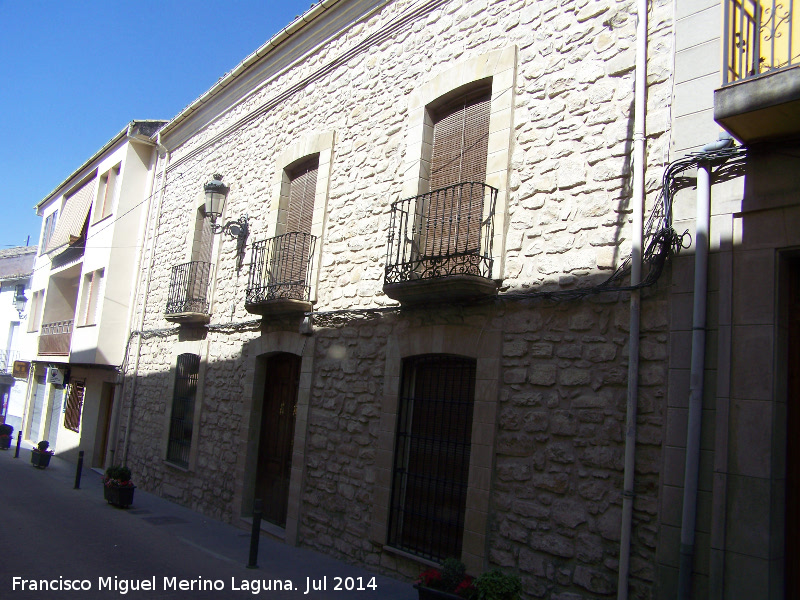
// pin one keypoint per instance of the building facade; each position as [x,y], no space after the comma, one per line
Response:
[84,274]
[410,332]
[16,267]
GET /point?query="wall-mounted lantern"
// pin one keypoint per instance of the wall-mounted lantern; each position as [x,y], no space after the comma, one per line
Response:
[216,194]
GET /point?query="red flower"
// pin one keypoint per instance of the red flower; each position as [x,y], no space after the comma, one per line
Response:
[464,587]
[430,578]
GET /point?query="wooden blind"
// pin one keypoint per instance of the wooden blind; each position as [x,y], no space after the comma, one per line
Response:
[461,140]
[72,414]
[302,188]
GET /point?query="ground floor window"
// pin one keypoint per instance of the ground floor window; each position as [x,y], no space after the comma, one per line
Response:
[182,419]
[432,450]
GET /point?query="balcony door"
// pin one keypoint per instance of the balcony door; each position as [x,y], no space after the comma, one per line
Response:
[276,438]
[450,215]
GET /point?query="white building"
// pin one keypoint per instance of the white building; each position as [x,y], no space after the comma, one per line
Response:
[81,293]
[16,266]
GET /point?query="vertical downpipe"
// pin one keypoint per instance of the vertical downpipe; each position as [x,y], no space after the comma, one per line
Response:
[156,219]
[640,106]
[690,479]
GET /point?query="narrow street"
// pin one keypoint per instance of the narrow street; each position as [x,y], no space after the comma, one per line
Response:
[155,549]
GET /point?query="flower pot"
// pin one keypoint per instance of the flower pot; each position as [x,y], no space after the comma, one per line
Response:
[119,496]
[40,460]
[426,593]
[5,442]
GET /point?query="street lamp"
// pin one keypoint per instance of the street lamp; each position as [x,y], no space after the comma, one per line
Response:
[216,193]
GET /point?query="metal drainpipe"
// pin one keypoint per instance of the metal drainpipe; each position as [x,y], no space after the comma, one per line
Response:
[693,429]
[640,106]
[156,217]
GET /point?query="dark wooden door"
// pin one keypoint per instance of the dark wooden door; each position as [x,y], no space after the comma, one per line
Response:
[277,435]
[792,442]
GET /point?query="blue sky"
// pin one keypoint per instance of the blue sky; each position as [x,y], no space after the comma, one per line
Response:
[75,73]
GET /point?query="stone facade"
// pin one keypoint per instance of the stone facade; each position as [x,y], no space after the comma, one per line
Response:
[545,477]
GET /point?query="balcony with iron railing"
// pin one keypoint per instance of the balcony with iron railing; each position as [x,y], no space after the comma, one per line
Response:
[7,358]
[188,300]
[760,95]
[440,245]
[280,275]
[55,338]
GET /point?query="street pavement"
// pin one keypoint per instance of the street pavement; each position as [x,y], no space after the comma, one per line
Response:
[53,536]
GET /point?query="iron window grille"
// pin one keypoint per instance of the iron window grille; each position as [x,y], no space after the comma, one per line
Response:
[432,451]
[72,413]
[182,418]
[188,288]
[442,233]
[280,267]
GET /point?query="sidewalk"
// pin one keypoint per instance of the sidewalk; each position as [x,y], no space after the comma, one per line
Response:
[50,530]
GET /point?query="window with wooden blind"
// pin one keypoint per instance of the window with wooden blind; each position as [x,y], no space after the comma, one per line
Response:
[106,193]
[451,215]
[290,263]
[182,417]
[72,413]
[432,452]
[90,293]
[302,189]
[461,139]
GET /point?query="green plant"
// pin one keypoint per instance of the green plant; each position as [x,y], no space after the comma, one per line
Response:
[496,585]
[118,476]
[43,447]
[453,571]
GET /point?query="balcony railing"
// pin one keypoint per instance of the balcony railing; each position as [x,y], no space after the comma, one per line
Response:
[442,233]
[55,338]
[760,35]
[280,268]
[7,358]
[188,289]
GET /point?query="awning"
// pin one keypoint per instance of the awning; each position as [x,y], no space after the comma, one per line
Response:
[73,217]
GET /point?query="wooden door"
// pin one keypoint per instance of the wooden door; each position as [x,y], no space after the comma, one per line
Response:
[277,435]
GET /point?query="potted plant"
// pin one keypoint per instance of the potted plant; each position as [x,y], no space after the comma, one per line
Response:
[6,431]
[450,582]
[496,585]
[118,487]
[40,455]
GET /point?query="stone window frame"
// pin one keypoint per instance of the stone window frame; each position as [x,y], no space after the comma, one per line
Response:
[485,346]
[498,67]
[201,350]
[320,144]
[258,349]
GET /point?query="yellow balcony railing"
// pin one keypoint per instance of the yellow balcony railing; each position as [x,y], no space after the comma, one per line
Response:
[760,35]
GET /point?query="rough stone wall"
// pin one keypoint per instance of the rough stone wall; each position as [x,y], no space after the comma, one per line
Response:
[557,486]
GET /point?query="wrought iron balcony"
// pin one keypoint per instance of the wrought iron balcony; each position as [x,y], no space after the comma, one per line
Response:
[760,96]
[280,274]
[55,338]
[7,359]
[188,293]
[440,244]
[759,37]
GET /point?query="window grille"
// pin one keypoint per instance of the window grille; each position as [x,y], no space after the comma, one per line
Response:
[72,414]
[431,463]
[182,419]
